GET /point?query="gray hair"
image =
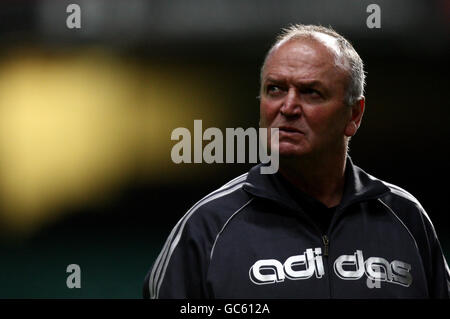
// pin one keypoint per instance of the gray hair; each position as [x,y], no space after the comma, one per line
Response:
[346,57]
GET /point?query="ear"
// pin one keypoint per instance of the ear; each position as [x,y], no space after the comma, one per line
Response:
[357,112]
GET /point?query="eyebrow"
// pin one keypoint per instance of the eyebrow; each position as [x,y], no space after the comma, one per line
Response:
[310,83]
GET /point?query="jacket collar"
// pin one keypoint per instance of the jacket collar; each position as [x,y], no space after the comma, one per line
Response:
[359,186]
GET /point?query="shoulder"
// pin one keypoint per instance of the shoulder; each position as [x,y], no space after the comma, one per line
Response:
[406,207]
[398,193]
[209,214]
[400,197]
[191,239]
[222,201]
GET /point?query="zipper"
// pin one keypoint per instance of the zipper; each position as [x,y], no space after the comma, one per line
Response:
[326,247]
[326,242]
[325,239]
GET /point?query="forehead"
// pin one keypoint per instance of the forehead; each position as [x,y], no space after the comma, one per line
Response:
[307,58]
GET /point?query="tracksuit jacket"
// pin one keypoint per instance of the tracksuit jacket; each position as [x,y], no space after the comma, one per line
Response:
[251,239]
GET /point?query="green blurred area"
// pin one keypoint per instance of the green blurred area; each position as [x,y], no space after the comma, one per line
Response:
[112,266]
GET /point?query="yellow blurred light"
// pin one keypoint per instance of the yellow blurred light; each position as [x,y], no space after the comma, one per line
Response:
[65,128]
[73,126]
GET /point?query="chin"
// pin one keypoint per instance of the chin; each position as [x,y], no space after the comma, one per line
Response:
[291,153]
[290,150]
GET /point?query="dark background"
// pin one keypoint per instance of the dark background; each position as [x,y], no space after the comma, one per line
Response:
[207,56]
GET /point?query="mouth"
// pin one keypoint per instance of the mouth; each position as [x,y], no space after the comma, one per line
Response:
[290,130]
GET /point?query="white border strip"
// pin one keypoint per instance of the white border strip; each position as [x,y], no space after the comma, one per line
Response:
[163,254]
[401,222]
[159,268]
[405,194]
[225,225]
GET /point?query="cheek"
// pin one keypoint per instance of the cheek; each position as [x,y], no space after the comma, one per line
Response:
[267,113]
[322,121]
[316,117]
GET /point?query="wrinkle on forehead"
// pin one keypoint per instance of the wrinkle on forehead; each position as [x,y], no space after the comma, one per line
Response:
[308,59]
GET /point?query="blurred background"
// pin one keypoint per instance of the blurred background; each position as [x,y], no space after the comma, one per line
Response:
[86,116]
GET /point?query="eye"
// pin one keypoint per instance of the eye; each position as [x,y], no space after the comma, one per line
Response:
[310,91]
[273,89]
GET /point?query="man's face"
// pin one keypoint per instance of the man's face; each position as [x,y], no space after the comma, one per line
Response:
[303,94]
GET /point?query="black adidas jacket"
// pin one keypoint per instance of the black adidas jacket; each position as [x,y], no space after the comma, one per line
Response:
[249,239]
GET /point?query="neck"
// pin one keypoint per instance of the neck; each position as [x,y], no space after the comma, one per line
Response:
[322,178]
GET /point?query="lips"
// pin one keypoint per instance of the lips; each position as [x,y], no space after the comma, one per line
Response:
[289,129]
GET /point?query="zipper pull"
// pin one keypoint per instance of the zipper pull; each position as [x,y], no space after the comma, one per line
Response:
[325,243]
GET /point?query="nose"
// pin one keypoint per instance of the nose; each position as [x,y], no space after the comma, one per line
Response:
[291,105]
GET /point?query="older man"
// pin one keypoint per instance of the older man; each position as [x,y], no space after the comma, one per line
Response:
[319,228]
